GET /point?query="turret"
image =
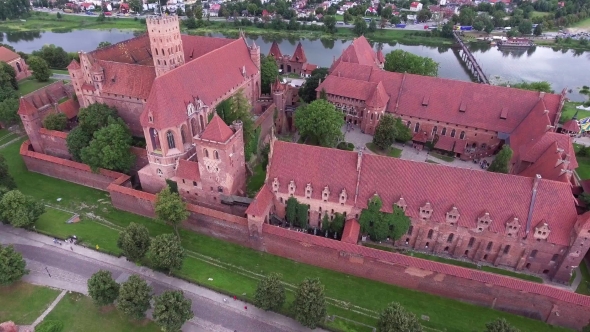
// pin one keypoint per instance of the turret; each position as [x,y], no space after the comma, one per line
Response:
[165,43]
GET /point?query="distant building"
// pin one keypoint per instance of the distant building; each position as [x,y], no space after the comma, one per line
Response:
[415,6]
[15,61]
[297,63]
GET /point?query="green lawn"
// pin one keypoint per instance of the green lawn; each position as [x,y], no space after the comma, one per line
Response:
[431,161]
[29,85]
[441,157]
[538,14]
[391,152]
[569,109]
[582,24]
[583,169]
[236,269]
[60,71]
[44,21]
[78,313]
[584,287]
[256,181]
[23,303]
[6,136]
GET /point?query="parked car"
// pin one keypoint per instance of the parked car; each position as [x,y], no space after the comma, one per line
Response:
[90,13]
[108,14]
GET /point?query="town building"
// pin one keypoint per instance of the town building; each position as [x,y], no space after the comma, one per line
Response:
[296,64]
[15,61]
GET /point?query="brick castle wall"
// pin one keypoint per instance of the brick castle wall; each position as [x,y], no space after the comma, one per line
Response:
[54,143]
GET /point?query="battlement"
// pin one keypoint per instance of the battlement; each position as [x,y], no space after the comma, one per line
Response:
[162,20]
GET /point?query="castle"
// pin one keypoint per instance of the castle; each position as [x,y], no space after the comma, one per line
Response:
[295,64]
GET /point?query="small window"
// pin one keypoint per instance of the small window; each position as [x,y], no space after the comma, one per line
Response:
[450,238]
[215,154]
[453,133]
[195,183]
[506,249]
[462,136]
[444,132]
[489,247]
[533,253]
[410,229]
[471,242]
[206,153]
[430,232]
[554,258]
[417,127]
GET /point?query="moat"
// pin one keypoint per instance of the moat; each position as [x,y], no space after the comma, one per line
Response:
[560,68]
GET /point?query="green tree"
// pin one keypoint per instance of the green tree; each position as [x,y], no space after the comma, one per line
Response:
[395,318]
[404,134]
[538,30]
[372,25]
[12,265]
[109,148]
[104,44]
[102,288]
[95,116]
[55,121]
[101,17]
[166,252]
[447,30]
[270,293]
[501,164]
[330,24]
[385,132]
[307,91]
[240,109]
[542,86]
[5,68]
[13,9]
[134,241]
[500,325]
[320,122]
[291,210]
[172,310]
[40,68]
[325,223]
[77,140]
[395,20]
[136,5]
[55,56]
[302,217]
[466,16]
[268,72]
[134,297]
[405,62]
[20,210]
[6,180]
[387,13]
[170,209]
[310,303]
[525,27]
[337,224]
[380,225]
[423,15]
[347,17]
[360,26]
[398,223]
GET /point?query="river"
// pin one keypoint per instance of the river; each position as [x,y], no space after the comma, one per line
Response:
[563,69]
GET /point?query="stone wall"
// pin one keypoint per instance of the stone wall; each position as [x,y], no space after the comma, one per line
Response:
[265,122]
[54,143]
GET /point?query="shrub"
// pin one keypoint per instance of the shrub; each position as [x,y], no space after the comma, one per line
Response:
[345,146]
[50,326]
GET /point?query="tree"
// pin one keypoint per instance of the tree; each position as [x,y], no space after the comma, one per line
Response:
[104,44]
[9,108]
[347,17]
[337,224]
[109,148]
[466,16]
[525,27]
[447,30]
[381,225]
[20,210]
[404,133]
[56,121]
[240,109]
[395,318]
[134,297]
[302,217]
[395,20]
[542,86]
[320,123]
[5,68]
[387,13]
[40,69]
[330,24]
[307,91]
[55,56]
[405,62]
[172,310]
[372,25]
[500,325]
[102,288]
[134,241]
[90,120]
[310,303]
[501,164]
[166,252]
[538,30]
[291,210]
[13,9]
[170,209]
[77,140]
[424,15]
[6,180]
[398,223]
[270,293]
[268,72]
[12,265]
[360,26]
[385,132]
[135,5]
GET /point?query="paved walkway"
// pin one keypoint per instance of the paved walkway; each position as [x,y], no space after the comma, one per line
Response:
[582,140]
[48,310]
[70,270]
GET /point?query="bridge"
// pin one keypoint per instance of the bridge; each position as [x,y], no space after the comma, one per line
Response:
[470,61]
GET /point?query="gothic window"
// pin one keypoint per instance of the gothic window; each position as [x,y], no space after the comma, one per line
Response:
[434,130]
[507,249]
[18,67]
[201,122]
[215,154]
[430,232]
[157,51]
[371,116]
[163,52]
[155,139]
[453,133]
[489,247]
[444,132]
[206,153]
[462,136]
[184,134]
[450,238]
[170,138]
[417,127]
[471,242]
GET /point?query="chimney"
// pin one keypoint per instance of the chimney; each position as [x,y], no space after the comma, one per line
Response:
[541,95]
[536,181]
[359,160]
[549,127]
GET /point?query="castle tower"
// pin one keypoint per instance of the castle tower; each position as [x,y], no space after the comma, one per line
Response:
[97,73]
[165,43]
[77,78]
[579,245]
[31,119]
[255,54]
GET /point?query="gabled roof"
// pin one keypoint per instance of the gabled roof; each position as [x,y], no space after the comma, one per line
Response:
[261,202]
[197,46]
[217,130]
[351,231]
[127,79]
[188,170]
[275,51]
[74,65]
[7,55]
[379,97]
[299,54]
[70,108]
[133,51]
[25,107]
[550,165]
[571,126]
[360,52]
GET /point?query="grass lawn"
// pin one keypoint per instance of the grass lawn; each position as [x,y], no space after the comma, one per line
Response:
[582,24]
[583,169]
[584,287]
[236,269]
[60,71]
[29,85]
[255,181]
[78,313]
[441,157]
[44,21]
[569,109]
[391,152]
[538,14]
[23,303]
[431,161]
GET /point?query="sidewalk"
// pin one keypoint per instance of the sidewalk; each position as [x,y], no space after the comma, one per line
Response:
[9,235]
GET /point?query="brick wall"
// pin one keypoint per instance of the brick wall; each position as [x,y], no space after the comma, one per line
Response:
[265,122]
[54,143]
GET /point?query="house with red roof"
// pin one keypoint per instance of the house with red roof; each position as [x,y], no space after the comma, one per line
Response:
[15,61]
[296,63]
[416,6]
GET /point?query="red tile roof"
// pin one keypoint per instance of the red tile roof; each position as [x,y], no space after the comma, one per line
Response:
[446,143]
[172,91]
[351,231]
[74,65]
[299,54]
[188,170]
[196,46]
[88,87]
[562,141]
[262,201]
[133,51]
[549,166]
[127,79]
[70,108]
[25,107]
[347,87]
[360,52]
[275,51]
[7,55]
[47,95]
[379,97]
[572,126]
[217,130]
[471,191]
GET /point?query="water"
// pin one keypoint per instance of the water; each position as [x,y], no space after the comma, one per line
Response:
[563,69]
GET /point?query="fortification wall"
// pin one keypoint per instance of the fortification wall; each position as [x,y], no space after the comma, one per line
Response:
[54,143]
[265,122]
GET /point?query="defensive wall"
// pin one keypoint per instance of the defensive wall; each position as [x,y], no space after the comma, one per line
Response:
[54,143]
[543,302]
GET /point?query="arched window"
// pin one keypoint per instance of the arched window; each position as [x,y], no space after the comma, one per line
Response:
[483,145]
[184,134]
[453,133]
[155,139]
[417,127]
[194,127]
[18,67]
[450,238]
[206,153]
[202,122]
[215,154]
[444,132]
[471,242]
[156,51]
[430,232]
[163,52]
[462,136]
[170,138]
[434,130]
[371,116]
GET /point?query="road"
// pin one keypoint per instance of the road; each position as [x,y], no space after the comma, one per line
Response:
[58,266]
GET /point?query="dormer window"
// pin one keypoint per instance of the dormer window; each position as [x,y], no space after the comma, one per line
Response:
[401,203]
[275,185]
[151,118]
[308,191]
[426,211]
[542,231]
[190,109]
[292,188]
[452,216]
[483,222]
[343,197]
[325,194]
[512,227]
